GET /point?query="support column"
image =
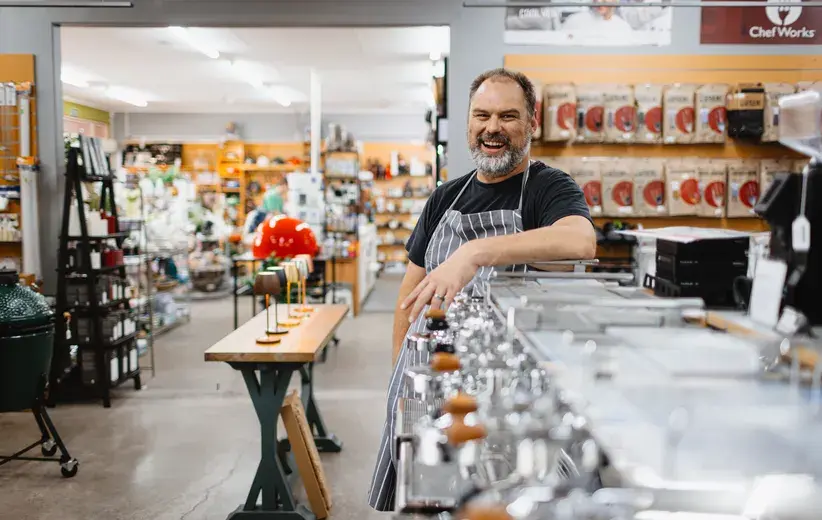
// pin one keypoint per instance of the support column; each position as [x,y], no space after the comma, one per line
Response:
[30,31]
[316,120]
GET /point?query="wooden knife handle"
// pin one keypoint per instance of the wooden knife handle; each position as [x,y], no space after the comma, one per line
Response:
[437,314]
[442,362]
[485,512]
[459,433]
[460,404]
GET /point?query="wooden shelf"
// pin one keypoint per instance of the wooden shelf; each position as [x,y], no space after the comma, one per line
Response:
[730,150]
[752,224]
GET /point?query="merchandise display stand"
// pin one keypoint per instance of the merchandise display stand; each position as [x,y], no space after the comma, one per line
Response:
[93,361]
[296,351]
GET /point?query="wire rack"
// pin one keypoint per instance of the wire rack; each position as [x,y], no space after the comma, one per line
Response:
[9,134]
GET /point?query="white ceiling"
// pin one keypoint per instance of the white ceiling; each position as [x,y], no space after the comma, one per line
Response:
[384,70]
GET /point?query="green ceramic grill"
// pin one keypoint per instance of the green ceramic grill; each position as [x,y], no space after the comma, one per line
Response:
[26,347]
[26,343]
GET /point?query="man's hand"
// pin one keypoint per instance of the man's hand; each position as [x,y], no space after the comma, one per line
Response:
[443,283]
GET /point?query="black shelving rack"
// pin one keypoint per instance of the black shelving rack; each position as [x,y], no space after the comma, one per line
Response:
[87,364]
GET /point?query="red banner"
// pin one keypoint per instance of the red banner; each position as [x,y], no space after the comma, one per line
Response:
[774,24]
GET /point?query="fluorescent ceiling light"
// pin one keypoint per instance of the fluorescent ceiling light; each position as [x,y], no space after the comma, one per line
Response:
[125,96]
[71,78]
[185,35]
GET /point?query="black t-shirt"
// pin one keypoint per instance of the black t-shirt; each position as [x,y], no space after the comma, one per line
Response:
[550,195]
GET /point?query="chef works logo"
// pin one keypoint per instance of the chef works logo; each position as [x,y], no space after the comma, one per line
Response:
[782,17]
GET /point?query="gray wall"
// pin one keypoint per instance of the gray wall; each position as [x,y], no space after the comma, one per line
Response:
[265,127]
[476,44]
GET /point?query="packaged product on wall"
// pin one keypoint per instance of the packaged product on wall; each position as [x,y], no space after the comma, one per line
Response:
[617,188]
[560,112]
[746,111]
[774,91]
[620,114]
[587,174]
[682,186]
[710,113]
[649,113]
[538,87]
[713,175]
[649,187]
[768,168]
[590,113]
[678,121]
[743,187]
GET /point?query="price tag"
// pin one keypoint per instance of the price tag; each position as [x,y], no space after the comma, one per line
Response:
[766,293]
[801,234]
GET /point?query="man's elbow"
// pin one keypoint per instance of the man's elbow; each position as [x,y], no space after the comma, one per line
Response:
[585,248]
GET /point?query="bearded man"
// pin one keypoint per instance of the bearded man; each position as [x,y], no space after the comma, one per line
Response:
[509,212]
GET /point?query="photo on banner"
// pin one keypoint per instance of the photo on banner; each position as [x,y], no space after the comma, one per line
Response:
[607,24]
[781,22]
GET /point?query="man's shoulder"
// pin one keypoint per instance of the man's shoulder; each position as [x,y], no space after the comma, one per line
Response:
[544,173]
[451,187]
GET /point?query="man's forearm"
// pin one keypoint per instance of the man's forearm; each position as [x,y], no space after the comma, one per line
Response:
[572,242]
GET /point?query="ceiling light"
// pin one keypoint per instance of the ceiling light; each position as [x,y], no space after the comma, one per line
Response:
[70,78]
[125,96]
[435,56]
[185,35]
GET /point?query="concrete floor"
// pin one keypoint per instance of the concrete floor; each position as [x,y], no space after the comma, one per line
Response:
[187,445]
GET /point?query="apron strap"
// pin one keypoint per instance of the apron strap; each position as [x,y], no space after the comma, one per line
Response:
[524,182]
[473,174]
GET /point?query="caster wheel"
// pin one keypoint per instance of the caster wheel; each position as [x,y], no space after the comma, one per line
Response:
[69,469]
[48,448]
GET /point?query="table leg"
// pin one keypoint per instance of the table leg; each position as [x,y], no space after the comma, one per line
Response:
[267,395]
[326,442]
[235,272]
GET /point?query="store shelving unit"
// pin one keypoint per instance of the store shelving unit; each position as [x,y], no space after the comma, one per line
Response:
[99,352]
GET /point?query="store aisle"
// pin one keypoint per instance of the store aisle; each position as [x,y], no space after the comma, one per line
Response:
[384,296]
[187,446]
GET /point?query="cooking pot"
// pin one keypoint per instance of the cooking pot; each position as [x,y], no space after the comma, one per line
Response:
[26,343]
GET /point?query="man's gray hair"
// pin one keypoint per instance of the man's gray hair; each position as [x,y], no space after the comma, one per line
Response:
[517,77]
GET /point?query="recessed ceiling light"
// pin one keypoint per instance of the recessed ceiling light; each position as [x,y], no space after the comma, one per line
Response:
[185,35]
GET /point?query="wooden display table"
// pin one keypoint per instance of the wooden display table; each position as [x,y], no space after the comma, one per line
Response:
[276,363]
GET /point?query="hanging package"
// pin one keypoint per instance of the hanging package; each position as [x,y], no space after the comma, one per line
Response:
[620,114]
[538,112]
[712,187]
[590,113]
[773,91]
[682,186]
[768,168]
[649,113]
[587,173]
[678,120]
[743,187]
[617,189]
[649,187]
[710,113]
[560,111]
[746,111]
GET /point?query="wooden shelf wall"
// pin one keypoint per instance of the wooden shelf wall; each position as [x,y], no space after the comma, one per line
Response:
[666,70]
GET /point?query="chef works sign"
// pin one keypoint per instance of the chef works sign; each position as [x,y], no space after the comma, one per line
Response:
[780,22]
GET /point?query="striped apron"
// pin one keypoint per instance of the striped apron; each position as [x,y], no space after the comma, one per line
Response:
[454,229]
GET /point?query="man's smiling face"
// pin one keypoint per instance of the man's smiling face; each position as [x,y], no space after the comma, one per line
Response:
[499,127]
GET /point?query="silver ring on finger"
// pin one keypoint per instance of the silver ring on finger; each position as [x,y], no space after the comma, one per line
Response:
[439,297]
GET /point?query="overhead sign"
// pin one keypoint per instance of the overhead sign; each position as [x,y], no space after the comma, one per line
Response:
[604,24]
[773,24]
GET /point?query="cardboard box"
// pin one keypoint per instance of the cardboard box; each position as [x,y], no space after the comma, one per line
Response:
[649,187]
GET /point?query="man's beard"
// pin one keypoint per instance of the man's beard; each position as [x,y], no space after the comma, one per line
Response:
[500,165]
